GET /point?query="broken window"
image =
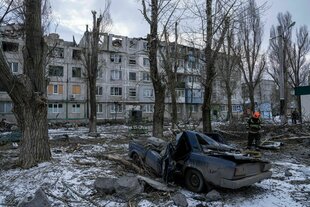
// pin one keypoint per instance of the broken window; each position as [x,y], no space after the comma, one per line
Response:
[132,76]
[76,89]
[132,60]
[76,72]
[14,67]
[182,148]
[57,52]
[133,43]
[116,75]
[116,58]
[76,54]
[55,70]
[132,92]
[10,47]
[116,91]
[116,42]
[55,89]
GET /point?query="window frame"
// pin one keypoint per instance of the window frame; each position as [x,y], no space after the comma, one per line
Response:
[116,91]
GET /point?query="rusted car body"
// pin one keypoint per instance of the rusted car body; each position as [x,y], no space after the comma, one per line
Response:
[201,161]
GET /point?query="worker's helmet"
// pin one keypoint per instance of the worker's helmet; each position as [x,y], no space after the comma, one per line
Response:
[256,114]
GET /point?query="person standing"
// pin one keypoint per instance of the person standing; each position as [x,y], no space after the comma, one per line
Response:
[294,116]
[254,124]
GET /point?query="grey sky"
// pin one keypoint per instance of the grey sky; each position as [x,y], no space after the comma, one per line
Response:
[73,15]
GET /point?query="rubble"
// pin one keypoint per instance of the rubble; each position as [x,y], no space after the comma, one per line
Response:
[180,200]
[105,185]
[39,200]
[72,178]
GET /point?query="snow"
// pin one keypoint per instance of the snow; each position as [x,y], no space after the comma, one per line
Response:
[78,168]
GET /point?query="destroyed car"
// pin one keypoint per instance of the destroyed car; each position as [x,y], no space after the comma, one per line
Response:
[201,161]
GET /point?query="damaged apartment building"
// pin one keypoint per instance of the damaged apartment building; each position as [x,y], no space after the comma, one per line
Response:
[123,79]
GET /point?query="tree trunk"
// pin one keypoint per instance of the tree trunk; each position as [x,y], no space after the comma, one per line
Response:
[206,110]
[172,89]
[93,107]
[174,113]
[92,70]
[252,101]
[159,109]
[28,91]
[229,106]
[159,87]
[32,118]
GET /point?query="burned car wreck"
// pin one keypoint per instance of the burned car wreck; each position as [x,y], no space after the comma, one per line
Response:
[201,161]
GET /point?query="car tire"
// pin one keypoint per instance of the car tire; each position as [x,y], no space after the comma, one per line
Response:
[194,181]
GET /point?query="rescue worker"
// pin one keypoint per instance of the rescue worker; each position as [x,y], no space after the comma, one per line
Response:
[254,124]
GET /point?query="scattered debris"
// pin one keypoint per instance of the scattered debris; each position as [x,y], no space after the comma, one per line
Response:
[105,185]
[156,184]
[180,200]
[288,173]
[128,186]
[213,196]
[39,200]
[70,179]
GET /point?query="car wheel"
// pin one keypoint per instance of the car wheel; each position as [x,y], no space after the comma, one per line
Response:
[136,158]
[194,180]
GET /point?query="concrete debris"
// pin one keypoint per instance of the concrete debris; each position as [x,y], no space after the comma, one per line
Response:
[105,185]
[125,187]
[128,187]
[180,200]
[213,196]
[39,200]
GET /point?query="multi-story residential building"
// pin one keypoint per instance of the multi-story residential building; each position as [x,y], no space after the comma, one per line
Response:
[123,80]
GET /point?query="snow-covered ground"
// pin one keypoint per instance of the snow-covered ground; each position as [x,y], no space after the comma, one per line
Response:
[70,176]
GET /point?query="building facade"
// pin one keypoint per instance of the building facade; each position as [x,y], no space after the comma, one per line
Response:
[123,80]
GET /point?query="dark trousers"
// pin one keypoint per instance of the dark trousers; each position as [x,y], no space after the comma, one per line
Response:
[253,136]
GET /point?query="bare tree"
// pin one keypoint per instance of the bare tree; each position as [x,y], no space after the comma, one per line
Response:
[297,58]
[250,35]
[157,12]
[90,57]
[213,17]
[227,64]
[28,90]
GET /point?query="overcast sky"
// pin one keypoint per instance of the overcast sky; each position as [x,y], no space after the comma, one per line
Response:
[73,15]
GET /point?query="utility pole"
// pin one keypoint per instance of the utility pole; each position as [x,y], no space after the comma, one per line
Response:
[281,74]
[282,83]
